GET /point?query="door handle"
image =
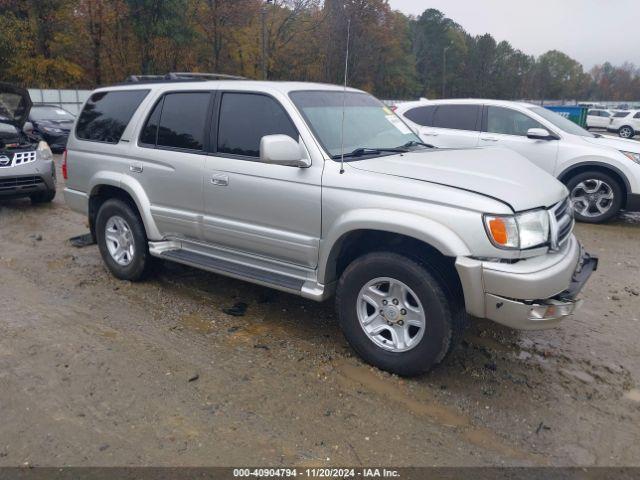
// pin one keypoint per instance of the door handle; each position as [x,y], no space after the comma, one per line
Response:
[135,168]
[220,180]
[430,134]
[489,139]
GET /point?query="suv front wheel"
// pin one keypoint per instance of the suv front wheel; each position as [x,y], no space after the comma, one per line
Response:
[596,197]
[626,132]
[122,240]
[395,313]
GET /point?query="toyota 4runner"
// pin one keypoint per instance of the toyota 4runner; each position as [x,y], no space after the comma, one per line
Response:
[314,189]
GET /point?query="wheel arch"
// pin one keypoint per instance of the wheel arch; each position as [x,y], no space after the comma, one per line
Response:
[110,186]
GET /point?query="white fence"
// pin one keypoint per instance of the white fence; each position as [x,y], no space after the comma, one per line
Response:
[70,100]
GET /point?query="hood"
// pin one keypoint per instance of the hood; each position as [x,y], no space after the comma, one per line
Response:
[494,172]
[15,104]
[617,143]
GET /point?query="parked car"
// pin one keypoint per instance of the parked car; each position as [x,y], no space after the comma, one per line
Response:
[52,124]
[626,124]
[602,173]
[247,179]
[26,164]
[598,119]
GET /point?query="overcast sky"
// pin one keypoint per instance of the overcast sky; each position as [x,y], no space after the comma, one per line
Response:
[591,31]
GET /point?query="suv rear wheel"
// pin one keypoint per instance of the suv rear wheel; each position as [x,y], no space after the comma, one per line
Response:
[626,132]
[395,313]
[122,240]
[596,196]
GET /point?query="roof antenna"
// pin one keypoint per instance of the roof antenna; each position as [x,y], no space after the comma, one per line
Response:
[344,97]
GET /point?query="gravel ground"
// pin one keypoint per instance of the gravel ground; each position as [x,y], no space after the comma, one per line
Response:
[96,371]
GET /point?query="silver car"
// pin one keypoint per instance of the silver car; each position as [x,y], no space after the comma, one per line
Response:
[315,190]
[26,164]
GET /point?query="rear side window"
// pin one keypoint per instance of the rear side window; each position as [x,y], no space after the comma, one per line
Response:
[245,118]
[458,117]
[620,114]
[107,114]
[421,115]
[637,115]
[178,121]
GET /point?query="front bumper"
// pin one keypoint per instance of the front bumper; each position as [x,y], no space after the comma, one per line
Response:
[532,294]
[25,180]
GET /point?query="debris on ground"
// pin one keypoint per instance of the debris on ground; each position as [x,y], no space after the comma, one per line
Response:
[238,309]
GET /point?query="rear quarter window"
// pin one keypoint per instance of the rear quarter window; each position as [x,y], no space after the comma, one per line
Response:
[106,115]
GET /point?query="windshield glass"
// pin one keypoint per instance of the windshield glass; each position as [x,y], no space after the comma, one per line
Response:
[368,123]
[51,113]
[561,122]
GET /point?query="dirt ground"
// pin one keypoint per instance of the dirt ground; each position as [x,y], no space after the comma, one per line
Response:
[96,371]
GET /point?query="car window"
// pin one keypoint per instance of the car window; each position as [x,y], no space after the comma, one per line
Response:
[149,133]
[637,115]
[458,117]
[247,117]
[620,114]
[509,122]
[593,113]
[421,115]
[604,113]
[183,119]
[50,113]
[106,115]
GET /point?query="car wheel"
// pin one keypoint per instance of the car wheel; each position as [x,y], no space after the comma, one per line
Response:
[596,197]
[122,240]
[396,313]
[626,132]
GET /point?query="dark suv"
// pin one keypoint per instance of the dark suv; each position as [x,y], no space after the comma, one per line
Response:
[26,163]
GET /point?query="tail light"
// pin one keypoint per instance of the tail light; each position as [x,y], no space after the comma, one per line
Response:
[393,108]
[65,174]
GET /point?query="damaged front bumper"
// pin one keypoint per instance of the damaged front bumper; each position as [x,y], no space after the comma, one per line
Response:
[532,294]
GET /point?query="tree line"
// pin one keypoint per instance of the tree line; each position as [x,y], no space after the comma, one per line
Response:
[88,43]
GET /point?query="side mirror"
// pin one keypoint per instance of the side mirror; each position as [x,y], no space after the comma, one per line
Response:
[540,134]
[282,150]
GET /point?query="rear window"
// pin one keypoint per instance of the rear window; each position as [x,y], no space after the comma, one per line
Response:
[457,117]
[107,114]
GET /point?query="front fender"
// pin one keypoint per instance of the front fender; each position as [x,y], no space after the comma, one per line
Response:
[437,235]
[135,191]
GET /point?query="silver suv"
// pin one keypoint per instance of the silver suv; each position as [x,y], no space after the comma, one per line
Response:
[249,179]
[26,163]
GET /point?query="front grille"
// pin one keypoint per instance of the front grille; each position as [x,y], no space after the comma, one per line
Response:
[18,158]
[562,223]
[12,183]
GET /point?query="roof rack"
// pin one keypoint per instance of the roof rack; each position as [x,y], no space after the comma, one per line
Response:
[181,76]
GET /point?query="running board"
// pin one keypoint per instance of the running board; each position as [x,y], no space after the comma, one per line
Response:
[174,252]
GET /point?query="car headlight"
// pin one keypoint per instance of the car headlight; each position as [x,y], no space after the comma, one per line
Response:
[631,156]
[52,130]
[520,231]
[43,152]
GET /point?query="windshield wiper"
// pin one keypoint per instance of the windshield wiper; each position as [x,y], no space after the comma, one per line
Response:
[358,152]
[415,143]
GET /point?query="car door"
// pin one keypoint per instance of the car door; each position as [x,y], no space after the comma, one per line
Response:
[507,127]
[452,126]
[170,160]
[272,211]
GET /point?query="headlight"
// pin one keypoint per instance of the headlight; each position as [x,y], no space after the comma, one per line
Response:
[520,231]
[43,152]
[631,156]
[52,129]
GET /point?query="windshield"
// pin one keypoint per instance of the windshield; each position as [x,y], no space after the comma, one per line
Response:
[368,124]
[561,122]
[51,113]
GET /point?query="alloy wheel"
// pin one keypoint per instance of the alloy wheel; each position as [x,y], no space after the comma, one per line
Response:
[391,314]
[119,240]
[592,198]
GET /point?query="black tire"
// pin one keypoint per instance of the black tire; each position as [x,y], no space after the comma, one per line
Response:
[626,132]
[43,197]
[445,316]
[141,260]
[615,186]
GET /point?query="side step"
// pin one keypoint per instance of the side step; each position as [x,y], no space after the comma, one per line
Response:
[232,269]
